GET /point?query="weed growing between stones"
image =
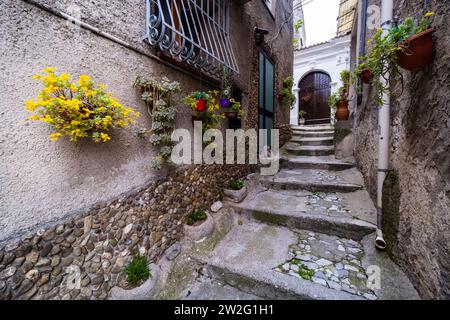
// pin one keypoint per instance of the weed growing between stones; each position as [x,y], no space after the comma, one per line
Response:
[236,185]
[137,270]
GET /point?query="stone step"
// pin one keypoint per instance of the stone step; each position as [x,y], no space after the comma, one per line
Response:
[328,134]
[315,180]
[300,150]
[317,128]
[289,161]
[345,215]
[273,262]
[322,141]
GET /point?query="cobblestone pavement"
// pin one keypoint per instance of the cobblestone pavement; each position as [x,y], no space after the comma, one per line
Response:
[329,261]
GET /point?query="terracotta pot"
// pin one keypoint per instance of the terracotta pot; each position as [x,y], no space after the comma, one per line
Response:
[366,76]
[231,114]
[224,102]
[418,52]
[201,105]
[342,113]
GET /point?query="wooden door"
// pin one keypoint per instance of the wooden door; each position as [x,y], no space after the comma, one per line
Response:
[315,89]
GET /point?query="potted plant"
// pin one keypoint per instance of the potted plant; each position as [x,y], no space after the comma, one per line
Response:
[226,89]
[202,100]
[236,191]
[140,283]
[345,77]
[287,96]
[302,120]
[210,117]
[199,225]
[339,101]
[235,110]
[416,42]
[70,108]
[364,72]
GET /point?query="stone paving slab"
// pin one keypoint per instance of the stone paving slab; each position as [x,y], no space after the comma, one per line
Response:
[321,141]
[313,133]
[313,128]
[296,149]
[290,161]
[211,289]
[315,180]
[247,259]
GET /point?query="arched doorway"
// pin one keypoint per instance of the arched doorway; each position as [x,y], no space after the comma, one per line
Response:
[314,91]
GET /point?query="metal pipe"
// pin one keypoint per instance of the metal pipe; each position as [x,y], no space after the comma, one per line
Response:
[387,9]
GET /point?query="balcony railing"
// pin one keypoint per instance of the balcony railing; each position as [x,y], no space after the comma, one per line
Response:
[193,31]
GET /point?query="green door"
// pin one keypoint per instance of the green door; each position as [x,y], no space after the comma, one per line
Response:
[266,95]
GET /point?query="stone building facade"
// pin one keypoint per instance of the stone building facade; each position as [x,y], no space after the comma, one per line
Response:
[416,213]
[94,206]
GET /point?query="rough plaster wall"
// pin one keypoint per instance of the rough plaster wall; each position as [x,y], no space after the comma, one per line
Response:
[420,144]
[42,181]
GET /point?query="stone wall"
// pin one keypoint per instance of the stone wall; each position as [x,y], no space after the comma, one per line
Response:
[84,205]
[417,193]
[102,241]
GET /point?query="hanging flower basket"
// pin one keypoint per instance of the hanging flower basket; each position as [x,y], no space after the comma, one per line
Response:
[366,76]
[418,51]
[224,102]
[201,105]
[231,114]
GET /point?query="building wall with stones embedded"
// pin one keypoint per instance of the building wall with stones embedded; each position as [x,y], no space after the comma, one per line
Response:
[44,182]
[94,206]
[416,215]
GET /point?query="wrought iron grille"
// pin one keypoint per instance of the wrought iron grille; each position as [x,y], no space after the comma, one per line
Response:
[193,31]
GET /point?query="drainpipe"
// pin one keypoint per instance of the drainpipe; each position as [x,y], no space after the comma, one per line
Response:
[387,9]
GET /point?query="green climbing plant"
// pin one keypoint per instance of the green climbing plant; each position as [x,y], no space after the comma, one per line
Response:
[158,94]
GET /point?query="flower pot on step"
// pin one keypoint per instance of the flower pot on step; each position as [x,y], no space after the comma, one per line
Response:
[236,196]
[418,51]
[302,121]
[342,113]
[200,231]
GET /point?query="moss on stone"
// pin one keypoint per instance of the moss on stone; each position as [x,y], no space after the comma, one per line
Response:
[306,273]
[270,218]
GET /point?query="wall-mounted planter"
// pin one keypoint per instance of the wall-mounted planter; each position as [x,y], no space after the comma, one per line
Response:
[224,102]
[366,76]
[201,105]
[418,52]
[231,114]
[342,113]
[236,196]
[143,292]
[203,230]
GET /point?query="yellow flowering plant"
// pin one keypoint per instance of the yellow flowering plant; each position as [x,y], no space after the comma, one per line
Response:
[78,109]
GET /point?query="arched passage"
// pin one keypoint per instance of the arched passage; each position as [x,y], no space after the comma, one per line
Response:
[314,91]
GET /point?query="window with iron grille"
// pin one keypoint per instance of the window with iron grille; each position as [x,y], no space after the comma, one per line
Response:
[193,31]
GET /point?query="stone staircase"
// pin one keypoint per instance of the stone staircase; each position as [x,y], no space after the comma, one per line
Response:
[305,233]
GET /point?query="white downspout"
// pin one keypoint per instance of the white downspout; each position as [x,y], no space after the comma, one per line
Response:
[387,9]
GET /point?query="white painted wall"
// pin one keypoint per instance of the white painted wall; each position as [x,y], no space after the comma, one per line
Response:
[331,57]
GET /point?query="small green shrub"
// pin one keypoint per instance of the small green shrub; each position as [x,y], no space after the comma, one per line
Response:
[236,185]
[196,216]
[137,270]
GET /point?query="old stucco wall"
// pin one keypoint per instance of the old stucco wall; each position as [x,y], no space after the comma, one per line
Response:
[417,193]
[42,181]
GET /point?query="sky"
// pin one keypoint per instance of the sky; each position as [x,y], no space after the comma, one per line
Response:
[320,20]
